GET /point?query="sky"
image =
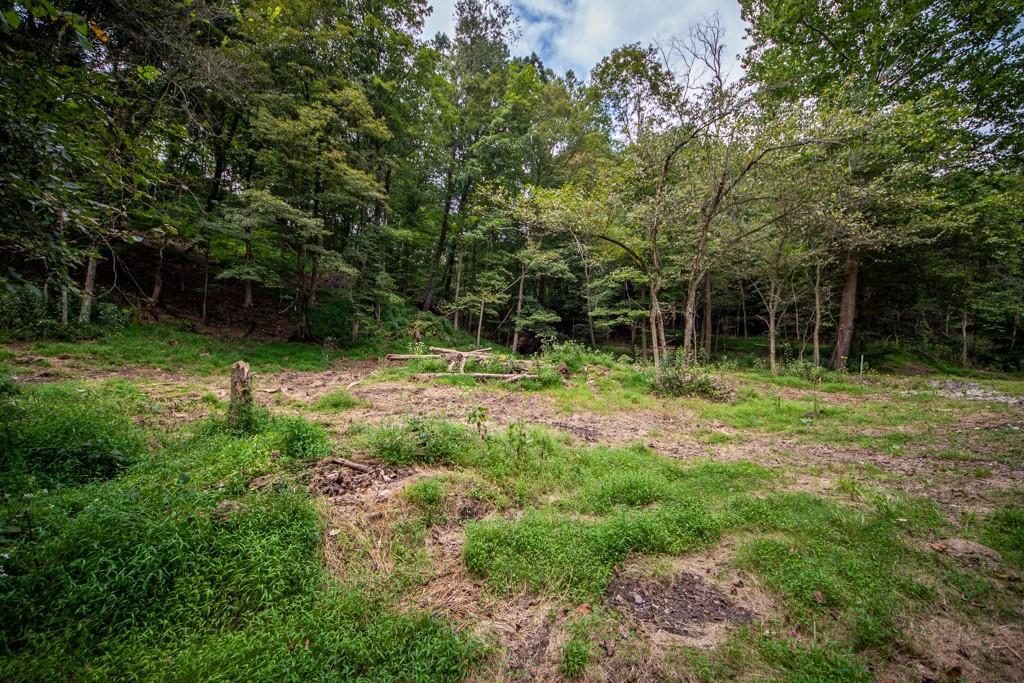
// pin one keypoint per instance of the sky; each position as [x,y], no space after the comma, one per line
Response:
[576,34]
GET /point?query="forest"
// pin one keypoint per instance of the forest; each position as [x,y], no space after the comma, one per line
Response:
[855,181]
[336,348]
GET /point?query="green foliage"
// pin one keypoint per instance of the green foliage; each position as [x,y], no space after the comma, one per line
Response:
[419,440]
[56,436]
[559,554]
[679,378]
[574,356]
[575,657]
[337,401]
[175,569]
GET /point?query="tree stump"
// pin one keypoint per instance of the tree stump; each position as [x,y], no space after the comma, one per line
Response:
[241,392]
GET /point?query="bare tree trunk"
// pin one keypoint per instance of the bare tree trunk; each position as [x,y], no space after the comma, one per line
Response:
[519,308]
[817,315]
[689,328]
[847,312]
[88,291]
[707,315]
[435,263]
[655,337]
[458,288]
[743,306]
[158,279]
[963,338]
[247,303]
[206,281]
[643,340]
[63,305]
[480,323]
[772,322]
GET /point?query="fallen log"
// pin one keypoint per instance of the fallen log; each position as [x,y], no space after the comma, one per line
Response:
[512,377]
[412,356]
[351,465]
[474,352]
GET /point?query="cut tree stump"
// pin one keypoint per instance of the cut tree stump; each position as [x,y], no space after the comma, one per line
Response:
[241,391]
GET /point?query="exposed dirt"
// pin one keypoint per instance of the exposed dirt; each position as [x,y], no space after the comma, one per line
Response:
[972,391]
[340,481]
[683,606]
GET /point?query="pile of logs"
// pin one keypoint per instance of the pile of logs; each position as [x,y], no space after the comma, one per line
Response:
[458,359]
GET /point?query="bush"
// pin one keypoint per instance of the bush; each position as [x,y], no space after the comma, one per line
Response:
[678,378]
[574,356]
[56,436]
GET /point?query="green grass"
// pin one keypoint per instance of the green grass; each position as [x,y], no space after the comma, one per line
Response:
[167,348]
[174,570]
[1004,531]
[337,401]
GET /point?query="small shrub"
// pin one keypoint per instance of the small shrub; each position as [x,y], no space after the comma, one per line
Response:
[688,379]
[574,356]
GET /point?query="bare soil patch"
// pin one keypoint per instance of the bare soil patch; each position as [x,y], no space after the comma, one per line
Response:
[682,606]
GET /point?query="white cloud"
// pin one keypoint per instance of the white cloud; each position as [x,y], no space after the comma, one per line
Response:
[576,34]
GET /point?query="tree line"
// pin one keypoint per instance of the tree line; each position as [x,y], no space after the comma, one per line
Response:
[859,178]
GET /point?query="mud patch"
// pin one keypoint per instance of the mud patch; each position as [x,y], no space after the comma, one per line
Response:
[684,606]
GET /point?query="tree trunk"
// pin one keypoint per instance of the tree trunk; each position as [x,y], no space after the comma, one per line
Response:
[689,331]
[247,303]
[480,323]
[963,338]
[88,291]
[655,343]
[847,312]
[743,306]
[435,264]
[158,280]
[63,305]
[206,280]
[772,323]
[241,392]
[707,316]
[817,315]
[519,308]
[458,287]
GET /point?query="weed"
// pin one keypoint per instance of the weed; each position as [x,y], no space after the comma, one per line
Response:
[575,657]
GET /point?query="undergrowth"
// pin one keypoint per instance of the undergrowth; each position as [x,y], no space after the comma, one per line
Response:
[168,567]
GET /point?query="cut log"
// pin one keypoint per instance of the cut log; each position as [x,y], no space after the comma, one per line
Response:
[351,465]
[512,377]
[412,356]
[474,352]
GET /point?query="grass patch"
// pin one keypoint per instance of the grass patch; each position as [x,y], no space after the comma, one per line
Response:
[1004,531]
[165,347]
[337,401]
[57,436]
[173,569]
